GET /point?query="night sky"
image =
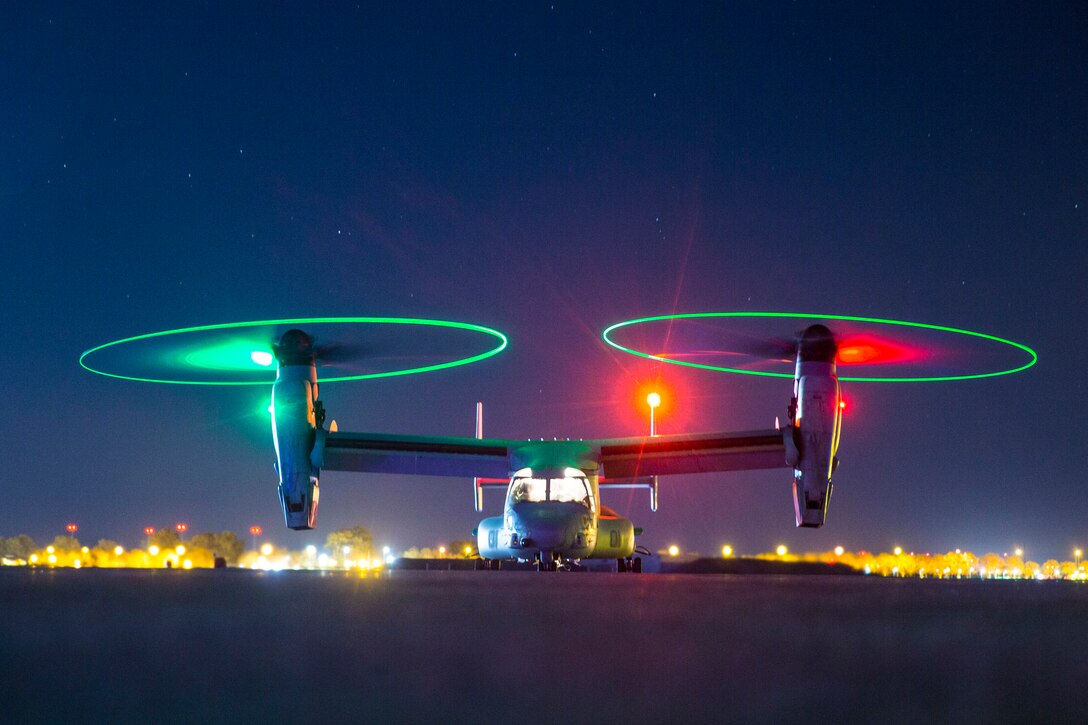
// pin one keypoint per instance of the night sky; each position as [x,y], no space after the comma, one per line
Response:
[546,169]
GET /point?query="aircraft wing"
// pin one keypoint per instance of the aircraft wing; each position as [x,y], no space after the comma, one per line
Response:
[623,458]
[420,455]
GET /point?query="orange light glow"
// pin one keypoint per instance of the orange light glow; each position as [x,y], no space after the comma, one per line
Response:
[653,399]
[632,403]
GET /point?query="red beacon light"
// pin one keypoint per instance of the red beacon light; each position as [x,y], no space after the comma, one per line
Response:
[255,530]
[149,530]
[72,528]
[182,528]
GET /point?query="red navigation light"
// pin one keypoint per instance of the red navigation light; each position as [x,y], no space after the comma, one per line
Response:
[72,528]
[182,528]
[871,350]
[149,530]
[842,405]
[255,530]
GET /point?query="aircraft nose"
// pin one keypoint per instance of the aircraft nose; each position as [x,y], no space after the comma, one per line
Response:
[546,526]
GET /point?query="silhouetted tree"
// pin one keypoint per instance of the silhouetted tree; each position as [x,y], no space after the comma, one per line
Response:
[359,540]
[165,539]
[63,542]
[225,544]
[462,548]
[20,546]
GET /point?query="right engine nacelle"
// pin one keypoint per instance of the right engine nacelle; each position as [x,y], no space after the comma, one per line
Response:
[816,424]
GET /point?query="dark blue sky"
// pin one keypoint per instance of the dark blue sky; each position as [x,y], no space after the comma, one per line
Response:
[546,169]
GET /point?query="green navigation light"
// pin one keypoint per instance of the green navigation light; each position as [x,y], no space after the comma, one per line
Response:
[804,316]
[261,357]
[240,355]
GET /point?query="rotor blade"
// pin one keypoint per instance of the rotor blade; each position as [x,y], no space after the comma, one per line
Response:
[335,353]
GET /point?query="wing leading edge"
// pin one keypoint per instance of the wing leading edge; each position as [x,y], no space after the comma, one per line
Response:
[623,458]
[619,458]
[419,455]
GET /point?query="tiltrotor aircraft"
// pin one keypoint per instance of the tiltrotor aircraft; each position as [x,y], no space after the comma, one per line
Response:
[552,513]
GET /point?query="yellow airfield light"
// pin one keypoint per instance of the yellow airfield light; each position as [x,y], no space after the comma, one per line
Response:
[781,550]
[674,550]
[727,550]
[839,551]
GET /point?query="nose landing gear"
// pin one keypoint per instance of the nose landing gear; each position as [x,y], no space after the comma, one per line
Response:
[545,562]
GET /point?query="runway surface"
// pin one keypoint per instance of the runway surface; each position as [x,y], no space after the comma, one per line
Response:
[522,647]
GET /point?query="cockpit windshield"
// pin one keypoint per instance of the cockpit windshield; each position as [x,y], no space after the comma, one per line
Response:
[528,489]
[572,487]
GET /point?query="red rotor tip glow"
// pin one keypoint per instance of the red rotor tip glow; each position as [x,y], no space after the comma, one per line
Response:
[866,349]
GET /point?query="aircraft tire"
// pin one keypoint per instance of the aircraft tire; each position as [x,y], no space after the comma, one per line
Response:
[638,565]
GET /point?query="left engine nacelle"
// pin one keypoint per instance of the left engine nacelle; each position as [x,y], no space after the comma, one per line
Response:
[294,431]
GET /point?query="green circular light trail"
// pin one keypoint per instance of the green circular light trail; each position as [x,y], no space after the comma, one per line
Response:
[847,318]
[208,359]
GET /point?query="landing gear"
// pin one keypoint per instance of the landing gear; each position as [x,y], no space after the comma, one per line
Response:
[629,564]
[545,562]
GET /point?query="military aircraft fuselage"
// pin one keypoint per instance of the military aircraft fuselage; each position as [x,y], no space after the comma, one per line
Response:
[555,514]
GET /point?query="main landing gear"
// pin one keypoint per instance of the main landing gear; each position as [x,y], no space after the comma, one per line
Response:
[633,565]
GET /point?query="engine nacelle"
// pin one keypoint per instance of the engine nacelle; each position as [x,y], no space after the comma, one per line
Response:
[490,542]
[294,431]
[816,424]
[615,538]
